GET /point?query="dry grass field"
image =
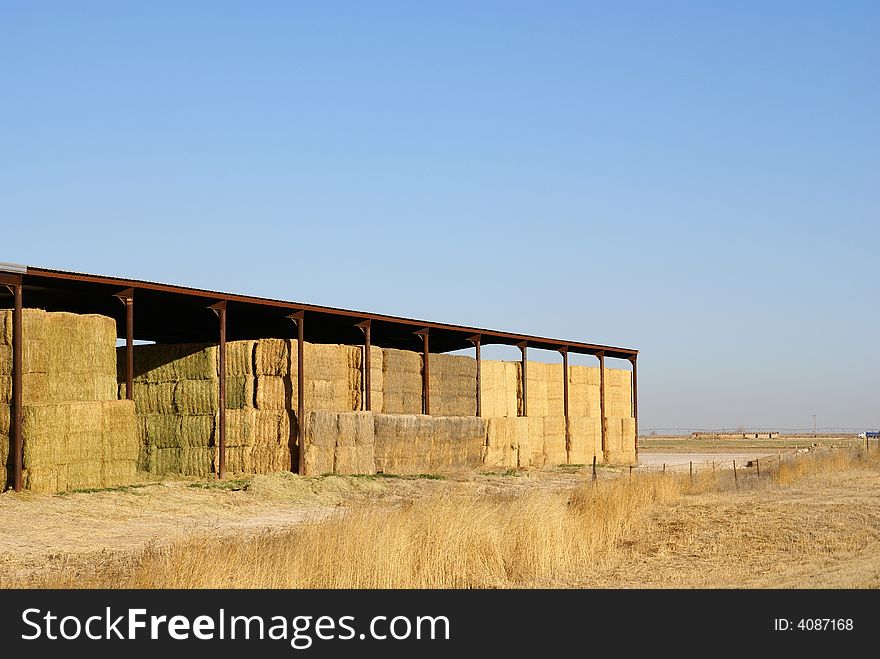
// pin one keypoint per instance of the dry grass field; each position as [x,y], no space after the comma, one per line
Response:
[813,522]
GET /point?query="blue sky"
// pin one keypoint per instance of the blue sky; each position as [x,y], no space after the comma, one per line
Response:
[696,180]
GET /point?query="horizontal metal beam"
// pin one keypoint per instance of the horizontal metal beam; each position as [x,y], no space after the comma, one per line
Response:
[487,336]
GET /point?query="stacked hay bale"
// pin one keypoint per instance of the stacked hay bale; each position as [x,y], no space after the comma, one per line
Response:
[339,443]
[177,397]
[508,443]
[583,391]
[618,393]
[412,444]
[79,445]
[76,434]
[499,389]
[176,389]
[620,439]
[401,382]
[332,377]
[453,382]
[585,439]
[545,389]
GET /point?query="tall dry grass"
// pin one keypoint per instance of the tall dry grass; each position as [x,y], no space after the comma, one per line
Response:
[533,539]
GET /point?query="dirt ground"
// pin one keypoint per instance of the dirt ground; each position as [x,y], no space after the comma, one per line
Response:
[66,533]
[821,531]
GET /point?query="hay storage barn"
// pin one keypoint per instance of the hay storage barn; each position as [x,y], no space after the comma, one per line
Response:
[227,387]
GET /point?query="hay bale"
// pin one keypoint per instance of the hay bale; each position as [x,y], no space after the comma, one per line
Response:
[5,360]
[554,441]
[507,443]
[408,443]
[613,440]
[197,430]
[197,397]
[272,392]
[34,357]
[35,388]
[45,429]
[239,391]
[5,418]
[171,362]
[188,461]
[339,443]
[535,430]
[162,430]
[119,472]
[272,357]
[4,457]
[618,393]
[46,479]
[83,447]
[583,391]
[70,386]
[401,382]
[270,459]
[332,377]
[499,388]
[453,382]
[545,389]
[586,440]
[83,475]
[354,460]
[377,388]
[239,358]
[154,397]
[239,427]
[628,439]
[6,327]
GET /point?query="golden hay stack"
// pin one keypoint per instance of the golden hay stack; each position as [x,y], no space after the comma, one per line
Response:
[453,382]
[499,388]
[77,445]
[507,443]
[339,442]
[414,443]
[401,382]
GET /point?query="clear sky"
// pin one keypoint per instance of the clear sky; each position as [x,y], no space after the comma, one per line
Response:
[698,180]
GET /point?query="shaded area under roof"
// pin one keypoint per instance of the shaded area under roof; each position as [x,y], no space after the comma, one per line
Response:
[166,313]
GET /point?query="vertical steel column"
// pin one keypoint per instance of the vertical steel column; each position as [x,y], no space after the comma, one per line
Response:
[127,298]
[601,356]
[564,352]
[366,380]
[635,401]
[129,348]
[17,390]
[426,372]
[220,309]
[299,319]
[475,339]
[525,377]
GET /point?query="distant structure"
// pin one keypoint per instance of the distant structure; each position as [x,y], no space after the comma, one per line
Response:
[735,435]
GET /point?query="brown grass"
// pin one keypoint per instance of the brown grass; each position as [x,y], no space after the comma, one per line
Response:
[593,534]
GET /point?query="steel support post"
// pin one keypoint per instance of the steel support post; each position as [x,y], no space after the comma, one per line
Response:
[220,309]
[127,299]
[299,320]
[525,377]
[366,380]
[476,340]
[564,352]
[426,372]
[635,400]
[17,411]
[601,356]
